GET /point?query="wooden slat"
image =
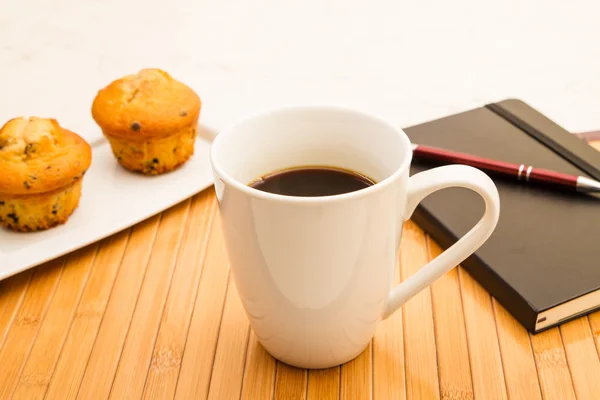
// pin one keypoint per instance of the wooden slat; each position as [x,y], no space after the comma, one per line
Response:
[196,367]
[356,381]
[551,362]
[105,354]
[12,292]
[419,338]
[53,332]
[324,384]
[75,352]
[230,356]
[259,372]
[582,358]
[482,339]
[170,342]
[388,355]
[137,351]
[594,319]
[450,334]
[26,325]
[517,356]
[290,383]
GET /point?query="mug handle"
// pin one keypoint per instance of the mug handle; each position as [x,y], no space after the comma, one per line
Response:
[420,186]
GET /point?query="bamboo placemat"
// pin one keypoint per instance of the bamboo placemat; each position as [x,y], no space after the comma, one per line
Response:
[152,312]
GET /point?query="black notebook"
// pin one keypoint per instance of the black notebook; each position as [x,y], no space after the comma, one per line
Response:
[542,263]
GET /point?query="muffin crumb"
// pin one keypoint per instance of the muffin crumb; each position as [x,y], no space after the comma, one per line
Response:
[30,148]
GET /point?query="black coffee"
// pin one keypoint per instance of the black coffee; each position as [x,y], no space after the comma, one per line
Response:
[312,182]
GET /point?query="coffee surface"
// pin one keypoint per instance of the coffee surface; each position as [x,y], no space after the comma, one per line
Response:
[312,182]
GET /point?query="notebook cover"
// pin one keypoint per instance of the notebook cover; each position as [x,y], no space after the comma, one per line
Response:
[545,249]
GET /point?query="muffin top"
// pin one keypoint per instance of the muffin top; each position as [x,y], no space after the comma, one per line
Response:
[38,155]
[148,104]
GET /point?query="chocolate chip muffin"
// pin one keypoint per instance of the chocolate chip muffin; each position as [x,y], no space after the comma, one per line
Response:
[41,172]
[150,120]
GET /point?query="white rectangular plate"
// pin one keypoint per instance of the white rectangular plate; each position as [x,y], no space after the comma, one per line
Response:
[112,199]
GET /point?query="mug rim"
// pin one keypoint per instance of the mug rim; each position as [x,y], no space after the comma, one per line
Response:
[245,188]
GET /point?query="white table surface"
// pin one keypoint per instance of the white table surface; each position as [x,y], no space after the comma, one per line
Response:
[408,61]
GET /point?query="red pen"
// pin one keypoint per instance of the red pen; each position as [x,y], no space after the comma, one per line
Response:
[521,172]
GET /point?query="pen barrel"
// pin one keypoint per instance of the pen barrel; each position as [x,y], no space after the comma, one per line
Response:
[519,171]
[552,177]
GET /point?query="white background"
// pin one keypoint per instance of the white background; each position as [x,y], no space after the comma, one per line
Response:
[409,61]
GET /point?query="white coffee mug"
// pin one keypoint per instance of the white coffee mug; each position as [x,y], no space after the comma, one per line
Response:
[315,273]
